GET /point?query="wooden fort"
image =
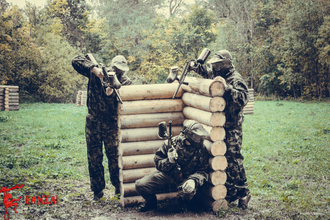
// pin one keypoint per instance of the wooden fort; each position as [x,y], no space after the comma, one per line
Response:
[144,106]
[9,98]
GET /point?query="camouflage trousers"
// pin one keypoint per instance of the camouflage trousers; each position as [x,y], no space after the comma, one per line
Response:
[236,184]
[159,182]
[97,133]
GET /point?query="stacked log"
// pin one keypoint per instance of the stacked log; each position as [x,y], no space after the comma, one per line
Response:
[248,109]
[81,98]
[144,106]
[204,103]
[9,98]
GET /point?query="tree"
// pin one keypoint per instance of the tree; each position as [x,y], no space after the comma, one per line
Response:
[19,55]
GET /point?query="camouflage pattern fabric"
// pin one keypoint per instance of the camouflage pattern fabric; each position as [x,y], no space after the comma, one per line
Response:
[236,97]
[192,163]
[101,125]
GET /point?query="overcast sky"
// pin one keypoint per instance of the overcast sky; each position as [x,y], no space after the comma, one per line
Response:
[21,3]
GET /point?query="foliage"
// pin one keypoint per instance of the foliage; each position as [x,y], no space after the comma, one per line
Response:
[173,41]
[59,81]
[289,32]
[280,47]
[19,55]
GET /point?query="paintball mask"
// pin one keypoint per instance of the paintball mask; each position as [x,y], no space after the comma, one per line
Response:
[221,61]
[194,132]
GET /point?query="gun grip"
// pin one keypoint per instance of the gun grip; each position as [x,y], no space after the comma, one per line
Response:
[114,80]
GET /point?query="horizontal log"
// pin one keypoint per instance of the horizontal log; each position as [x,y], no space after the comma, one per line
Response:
[135,200]
[144,134]
[151,106]
[10,93]
[218,177]
[11,102]
[204,117]
[138,161]
[128,189]
[216,192]
[10,87]
[249,104]
[215,133]
[16,98]
[135,174]
[210,104]
[150,91]
[216,148]
[207,87]
[141,147]
[149,120]
[216,205]
[218,163]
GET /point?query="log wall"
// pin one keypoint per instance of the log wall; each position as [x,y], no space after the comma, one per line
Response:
[208,104]
[248,109]
[144,107]
[9,98]
[204,103]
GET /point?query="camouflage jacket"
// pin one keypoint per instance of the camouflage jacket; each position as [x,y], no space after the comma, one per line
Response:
[192,162]
[99,105]
[236,94]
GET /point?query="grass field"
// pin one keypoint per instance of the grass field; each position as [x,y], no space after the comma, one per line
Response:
[285,145]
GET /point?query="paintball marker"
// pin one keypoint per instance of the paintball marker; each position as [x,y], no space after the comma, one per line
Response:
[110,78]
[174,70]
[162,133]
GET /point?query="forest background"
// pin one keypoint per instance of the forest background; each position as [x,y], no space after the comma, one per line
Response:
[281,47]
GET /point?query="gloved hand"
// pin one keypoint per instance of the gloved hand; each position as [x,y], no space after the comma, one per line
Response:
[188,186]
[172,155]
[98,72]
[109,91]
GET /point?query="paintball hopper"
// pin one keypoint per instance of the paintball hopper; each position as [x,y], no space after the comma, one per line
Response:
[162,130]
[203,56]
[173,74]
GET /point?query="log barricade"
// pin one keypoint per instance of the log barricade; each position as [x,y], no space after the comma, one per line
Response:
[144,106]
[81,98]
[248,109]
[204,103]
[9,98]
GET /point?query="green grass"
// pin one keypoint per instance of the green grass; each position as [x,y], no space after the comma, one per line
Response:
[285,145]
[43,141]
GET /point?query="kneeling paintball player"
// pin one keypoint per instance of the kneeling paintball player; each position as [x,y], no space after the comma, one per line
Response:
[182,163]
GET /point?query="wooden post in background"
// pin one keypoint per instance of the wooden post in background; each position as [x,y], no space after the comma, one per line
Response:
[9,98]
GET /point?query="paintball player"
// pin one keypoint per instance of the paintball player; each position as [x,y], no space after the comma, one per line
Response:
[101,120]
[221,68]
[182,166]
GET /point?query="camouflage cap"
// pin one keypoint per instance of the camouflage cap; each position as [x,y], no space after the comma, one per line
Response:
[220,55]
[120,62]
